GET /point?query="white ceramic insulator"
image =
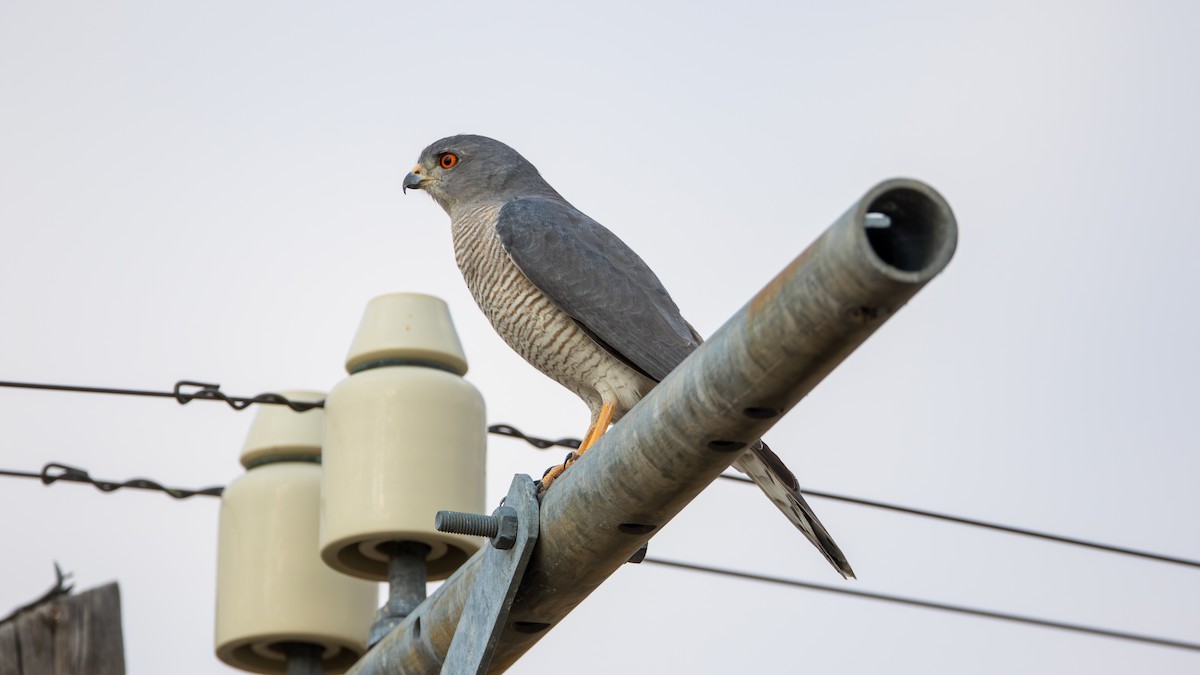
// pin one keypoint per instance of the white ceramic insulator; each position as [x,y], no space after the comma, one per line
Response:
[272,586]
[278,431]
[402,441]
[410,326]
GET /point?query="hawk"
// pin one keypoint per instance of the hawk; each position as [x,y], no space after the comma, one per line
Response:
[574,300]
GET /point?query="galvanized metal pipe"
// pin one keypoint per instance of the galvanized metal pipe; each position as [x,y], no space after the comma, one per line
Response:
[692,426]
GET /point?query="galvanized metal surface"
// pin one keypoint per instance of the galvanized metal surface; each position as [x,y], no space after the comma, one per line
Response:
[728,393]
[491,597]
[407,575]
[303,658]
[500,527]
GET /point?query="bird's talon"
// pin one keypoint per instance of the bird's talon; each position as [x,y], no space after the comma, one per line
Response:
[555,471]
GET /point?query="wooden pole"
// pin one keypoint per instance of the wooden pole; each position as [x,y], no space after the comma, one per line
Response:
[67,636]
[694,424]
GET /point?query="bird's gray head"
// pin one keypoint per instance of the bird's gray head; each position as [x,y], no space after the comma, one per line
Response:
[468,170]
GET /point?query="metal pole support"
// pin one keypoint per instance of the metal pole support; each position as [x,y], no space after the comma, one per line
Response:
[407,575]
[690,427]
[514,529]
[303,658]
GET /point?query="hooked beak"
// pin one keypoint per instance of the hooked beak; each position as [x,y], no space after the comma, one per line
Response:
[414,179]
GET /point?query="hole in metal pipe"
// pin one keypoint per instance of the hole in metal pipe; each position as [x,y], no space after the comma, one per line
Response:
[725,446]
[529,626]
[918,229]
[760,413]
[635,528]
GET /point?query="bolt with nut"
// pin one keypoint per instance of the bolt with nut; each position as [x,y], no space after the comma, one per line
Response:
[501,526]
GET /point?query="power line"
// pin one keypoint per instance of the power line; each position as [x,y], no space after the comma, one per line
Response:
[54,472]
[539,443]
[210,392]
[991,526]
[203,391]
[1045,623]
[186,391]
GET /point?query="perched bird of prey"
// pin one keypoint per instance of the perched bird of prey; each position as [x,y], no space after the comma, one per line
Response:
[574,300]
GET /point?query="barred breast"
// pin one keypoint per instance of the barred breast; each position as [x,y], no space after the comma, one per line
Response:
[533,325]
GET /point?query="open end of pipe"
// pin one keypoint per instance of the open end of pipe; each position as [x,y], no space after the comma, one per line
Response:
[920,230]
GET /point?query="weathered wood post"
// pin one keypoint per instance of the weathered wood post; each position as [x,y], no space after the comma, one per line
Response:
[66,636]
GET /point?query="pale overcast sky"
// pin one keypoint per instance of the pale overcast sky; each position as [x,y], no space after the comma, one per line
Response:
[211,191]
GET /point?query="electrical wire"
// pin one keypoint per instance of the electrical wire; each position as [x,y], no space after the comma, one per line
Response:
[539,443]
[1016,618]
[991,526]
[54,472]
[204,391]
[186,391]
[1109,548]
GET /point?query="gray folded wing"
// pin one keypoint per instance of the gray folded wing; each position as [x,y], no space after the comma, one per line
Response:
[598,281]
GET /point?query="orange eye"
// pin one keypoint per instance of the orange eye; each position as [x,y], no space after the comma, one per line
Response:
[448,160]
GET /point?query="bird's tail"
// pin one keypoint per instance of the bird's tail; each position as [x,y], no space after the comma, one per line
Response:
[770,473]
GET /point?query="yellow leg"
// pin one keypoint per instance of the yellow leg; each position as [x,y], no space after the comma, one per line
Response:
[584,443]
[602,421]
[589,439]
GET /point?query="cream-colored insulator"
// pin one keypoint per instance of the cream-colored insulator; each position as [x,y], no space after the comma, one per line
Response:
[272,588]
[405,438]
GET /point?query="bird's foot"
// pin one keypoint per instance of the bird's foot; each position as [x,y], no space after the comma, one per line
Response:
[554,472]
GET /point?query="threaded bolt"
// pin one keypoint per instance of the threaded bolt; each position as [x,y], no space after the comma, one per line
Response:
[474,524]
[501,526]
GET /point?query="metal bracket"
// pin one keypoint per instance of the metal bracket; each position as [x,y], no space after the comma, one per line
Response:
[500,574]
